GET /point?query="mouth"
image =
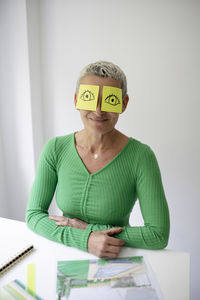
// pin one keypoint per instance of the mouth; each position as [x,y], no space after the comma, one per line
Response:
[99,120]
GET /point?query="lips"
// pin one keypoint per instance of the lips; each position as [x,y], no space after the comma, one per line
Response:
[99,120]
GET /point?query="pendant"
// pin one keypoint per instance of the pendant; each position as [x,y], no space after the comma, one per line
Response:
[96,156]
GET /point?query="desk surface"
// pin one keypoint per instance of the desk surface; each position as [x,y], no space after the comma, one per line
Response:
[171,268]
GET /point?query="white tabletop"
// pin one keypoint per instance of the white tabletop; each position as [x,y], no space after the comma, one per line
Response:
[171,268]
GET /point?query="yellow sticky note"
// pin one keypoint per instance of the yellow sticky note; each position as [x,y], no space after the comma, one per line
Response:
[111,99]
[87,97]
[31,285]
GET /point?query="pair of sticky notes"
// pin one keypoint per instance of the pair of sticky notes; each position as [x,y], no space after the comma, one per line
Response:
[88,98]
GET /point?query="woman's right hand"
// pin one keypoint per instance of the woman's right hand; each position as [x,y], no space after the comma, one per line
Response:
[102,244]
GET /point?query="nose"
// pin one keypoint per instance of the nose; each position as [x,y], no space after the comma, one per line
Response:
[98,110]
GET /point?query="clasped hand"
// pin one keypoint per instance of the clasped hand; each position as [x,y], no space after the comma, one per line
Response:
[100,243]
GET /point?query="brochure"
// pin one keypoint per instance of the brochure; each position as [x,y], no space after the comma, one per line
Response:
[123,278]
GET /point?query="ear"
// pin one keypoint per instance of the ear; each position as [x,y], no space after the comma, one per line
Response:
[75,98]
[125,102]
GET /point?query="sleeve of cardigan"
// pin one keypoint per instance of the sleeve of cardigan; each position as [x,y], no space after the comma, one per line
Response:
[155,232]
[41,195]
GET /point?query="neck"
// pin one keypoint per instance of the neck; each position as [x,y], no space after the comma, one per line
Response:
[94,142]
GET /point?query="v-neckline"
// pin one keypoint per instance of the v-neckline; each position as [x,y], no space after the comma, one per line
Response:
[109,163]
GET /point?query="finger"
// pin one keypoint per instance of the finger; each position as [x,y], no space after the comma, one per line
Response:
[74,222]
[62,223]
[109,255]
[55,218]
[113,249]
[114,241]
[112,231]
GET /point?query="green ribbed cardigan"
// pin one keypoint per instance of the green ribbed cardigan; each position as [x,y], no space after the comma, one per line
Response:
[103,199]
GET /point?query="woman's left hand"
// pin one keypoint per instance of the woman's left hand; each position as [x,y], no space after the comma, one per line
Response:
[64,221]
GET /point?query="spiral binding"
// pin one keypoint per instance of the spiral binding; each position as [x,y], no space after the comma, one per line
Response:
[13,260]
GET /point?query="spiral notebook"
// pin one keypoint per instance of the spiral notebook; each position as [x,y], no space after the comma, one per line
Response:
[15,258]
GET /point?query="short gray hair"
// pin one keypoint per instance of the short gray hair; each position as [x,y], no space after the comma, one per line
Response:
[104,69]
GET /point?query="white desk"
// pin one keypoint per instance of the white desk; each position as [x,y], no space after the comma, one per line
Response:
[171,268]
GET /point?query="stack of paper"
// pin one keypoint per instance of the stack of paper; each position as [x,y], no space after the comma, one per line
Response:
[122,278]
[15,290]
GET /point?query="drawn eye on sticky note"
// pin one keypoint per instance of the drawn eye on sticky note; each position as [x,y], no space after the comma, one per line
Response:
[87,97]
[111,99]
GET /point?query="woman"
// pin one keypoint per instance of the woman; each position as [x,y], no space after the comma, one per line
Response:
[99,173]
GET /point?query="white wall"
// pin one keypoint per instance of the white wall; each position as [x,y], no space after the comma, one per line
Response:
[36,83]
[3,195]
[15,110]
[157,44]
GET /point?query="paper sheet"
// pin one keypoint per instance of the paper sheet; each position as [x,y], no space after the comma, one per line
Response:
[122,278]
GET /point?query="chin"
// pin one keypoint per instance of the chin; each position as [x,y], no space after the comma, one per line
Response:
[99,124]
[100,129]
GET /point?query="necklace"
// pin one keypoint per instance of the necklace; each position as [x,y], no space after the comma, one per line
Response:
[96,156]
